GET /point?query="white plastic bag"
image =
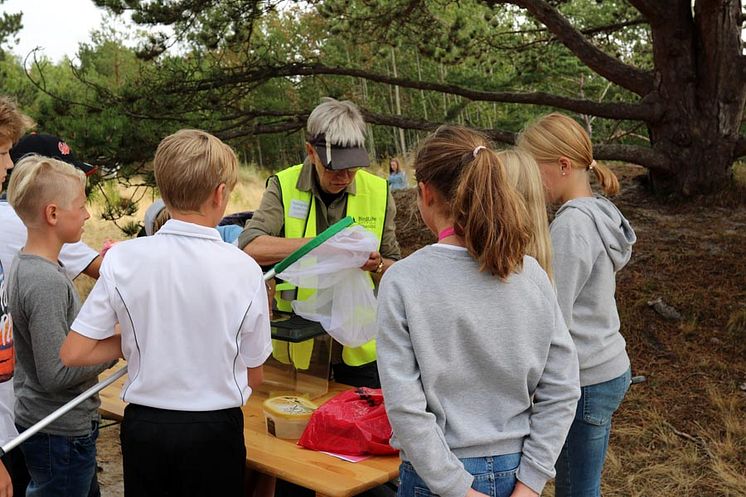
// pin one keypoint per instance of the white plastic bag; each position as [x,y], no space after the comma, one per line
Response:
[344,303]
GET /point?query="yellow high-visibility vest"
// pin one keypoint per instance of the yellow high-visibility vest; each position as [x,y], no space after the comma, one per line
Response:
[367,207]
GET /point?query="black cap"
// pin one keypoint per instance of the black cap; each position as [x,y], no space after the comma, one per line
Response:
[339,157]
[48,146]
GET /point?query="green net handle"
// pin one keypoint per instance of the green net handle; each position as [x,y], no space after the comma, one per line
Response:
[313,243]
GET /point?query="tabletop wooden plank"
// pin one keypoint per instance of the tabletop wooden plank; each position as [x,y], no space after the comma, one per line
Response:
[284,459]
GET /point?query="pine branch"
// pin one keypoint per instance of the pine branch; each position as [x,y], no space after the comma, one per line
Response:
[613,110]
[611,68]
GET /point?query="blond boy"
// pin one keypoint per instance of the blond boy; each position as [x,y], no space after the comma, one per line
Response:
[49,197]
[76,258]
[195,330]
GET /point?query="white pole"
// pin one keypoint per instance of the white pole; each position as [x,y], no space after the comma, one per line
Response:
[61,411]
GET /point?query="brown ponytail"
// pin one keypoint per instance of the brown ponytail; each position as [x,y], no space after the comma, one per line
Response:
[487,211]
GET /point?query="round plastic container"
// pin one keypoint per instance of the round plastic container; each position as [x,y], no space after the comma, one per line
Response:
[287,416]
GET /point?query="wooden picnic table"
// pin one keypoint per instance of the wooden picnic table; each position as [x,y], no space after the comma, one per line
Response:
[326,475]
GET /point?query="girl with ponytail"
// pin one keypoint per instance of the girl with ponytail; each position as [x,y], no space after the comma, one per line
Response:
[477,367]
[591,241]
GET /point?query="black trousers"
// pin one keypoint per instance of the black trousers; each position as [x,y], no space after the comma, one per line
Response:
[182,453]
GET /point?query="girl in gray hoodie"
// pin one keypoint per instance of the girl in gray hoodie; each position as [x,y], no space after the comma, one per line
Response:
[591,241]
[478,370]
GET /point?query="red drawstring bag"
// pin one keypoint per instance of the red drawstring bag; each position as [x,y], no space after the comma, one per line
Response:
[353,422]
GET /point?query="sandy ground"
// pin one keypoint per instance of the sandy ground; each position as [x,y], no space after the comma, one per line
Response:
[110,460]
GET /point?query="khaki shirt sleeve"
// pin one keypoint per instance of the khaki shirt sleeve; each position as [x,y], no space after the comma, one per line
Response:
[269,219]
[389,245]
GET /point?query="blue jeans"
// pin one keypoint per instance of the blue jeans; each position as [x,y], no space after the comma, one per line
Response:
[61,466]
[582,458]
[493,475]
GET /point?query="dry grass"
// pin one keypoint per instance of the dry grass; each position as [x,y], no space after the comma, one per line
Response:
[737,324]
[683,432]
[739,171]
[651,454]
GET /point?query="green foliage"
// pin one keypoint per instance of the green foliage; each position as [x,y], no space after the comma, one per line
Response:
[222,73]
[10,25]
[223,80]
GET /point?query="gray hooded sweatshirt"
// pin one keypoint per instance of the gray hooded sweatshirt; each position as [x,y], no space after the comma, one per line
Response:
[592,241]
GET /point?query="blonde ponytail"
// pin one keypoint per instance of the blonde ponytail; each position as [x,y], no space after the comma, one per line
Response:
[606,178]
[523,174]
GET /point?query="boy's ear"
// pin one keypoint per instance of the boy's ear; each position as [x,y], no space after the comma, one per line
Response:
[221,194]
[50,214]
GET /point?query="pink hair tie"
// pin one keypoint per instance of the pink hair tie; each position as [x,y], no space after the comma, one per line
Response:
[477,149]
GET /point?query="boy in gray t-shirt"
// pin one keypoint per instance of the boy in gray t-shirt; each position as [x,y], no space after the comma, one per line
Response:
[49,196]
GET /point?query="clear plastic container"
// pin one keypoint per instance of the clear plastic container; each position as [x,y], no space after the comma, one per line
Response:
[300,360]
[287,416]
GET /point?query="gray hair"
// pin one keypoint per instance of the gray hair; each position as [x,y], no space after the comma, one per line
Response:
[339,120]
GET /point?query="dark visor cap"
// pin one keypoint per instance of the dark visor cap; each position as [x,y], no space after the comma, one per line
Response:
[335,157]
[48,146]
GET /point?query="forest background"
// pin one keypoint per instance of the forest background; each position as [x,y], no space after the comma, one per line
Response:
[659,83]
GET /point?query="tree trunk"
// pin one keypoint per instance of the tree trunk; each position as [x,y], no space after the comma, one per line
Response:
[419,77]
[402,142]
[259,152]
[368,127]
[702,167]
[700,88]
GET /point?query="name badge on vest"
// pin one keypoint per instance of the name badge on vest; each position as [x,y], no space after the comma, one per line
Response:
[299,209]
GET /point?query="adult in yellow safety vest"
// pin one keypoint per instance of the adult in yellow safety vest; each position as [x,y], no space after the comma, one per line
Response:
[303,200]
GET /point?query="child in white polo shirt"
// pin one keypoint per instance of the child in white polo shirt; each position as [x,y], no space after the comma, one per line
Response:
[195,330]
